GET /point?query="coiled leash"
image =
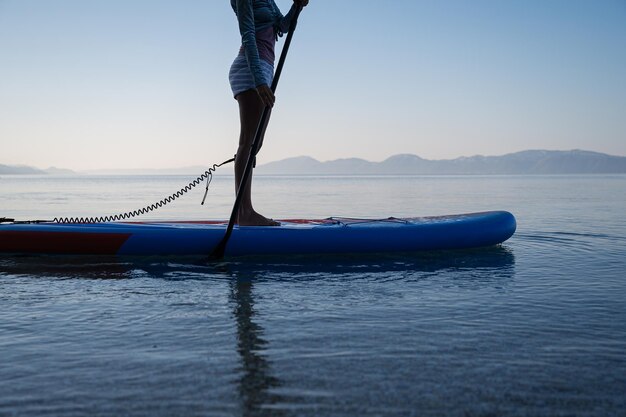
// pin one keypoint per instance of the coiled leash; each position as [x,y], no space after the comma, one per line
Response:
[206,175]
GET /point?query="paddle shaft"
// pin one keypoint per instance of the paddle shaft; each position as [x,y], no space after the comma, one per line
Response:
[220,249]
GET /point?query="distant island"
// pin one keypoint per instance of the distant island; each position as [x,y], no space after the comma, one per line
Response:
[532,162]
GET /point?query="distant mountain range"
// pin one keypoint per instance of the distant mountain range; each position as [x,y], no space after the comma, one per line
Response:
[26,170]
[525,162]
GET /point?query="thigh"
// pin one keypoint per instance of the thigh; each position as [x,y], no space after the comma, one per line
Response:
[250,111]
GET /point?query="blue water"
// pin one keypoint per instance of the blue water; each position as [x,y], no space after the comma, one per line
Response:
[534,327]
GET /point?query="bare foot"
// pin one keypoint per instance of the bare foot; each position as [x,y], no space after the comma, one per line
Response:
[255,219]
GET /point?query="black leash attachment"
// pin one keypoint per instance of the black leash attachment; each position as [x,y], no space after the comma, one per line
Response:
[209,176]
[220,249]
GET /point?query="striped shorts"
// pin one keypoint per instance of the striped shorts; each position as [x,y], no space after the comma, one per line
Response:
[240,76]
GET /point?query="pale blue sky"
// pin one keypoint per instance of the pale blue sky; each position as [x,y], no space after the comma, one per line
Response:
[143,83]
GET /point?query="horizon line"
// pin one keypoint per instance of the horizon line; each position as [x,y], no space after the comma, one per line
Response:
[52,167]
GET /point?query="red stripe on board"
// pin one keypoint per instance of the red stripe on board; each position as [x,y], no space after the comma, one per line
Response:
[62,242]
[306,221]
[225,222]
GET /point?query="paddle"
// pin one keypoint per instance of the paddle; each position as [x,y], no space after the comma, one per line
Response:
[219,250]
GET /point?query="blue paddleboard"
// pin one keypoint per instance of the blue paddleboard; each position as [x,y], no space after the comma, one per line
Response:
[332,235]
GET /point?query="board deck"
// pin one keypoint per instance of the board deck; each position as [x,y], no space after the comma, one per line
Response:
[293,236]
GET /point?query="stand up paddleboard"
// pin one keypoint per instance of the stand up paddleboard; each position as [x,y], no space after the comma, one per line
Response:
[327,236]
[111,235]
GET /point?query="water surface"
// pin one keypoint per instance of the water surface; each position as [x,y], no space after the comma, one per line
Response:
[535,326]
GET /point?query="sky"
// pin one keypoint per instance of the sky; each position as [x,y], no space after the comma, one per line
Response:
[87,84]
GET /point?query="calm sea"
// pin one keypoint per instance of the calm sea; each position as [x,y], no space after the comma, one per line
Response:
[535,327]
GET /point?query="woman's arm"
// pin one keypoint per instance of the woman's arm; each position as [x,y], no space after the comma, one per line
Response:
[245,16]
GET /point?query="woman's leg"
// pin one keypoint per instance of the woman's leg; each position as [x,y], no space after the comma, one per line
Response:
[250,111]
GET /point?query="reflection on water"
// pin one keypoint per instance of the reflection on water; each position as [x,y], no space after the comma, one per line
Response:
[499,258]
[256,379]
[258,385]
[261,388]
[478,332]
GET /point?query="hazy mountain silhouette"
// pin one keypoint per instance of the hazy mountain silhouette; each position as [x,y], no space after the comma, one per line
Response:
[19,170]
[26,170]
[525,162]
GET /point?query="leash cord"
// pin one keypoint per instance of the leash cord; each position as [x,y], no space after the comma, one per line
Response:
[206,175]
